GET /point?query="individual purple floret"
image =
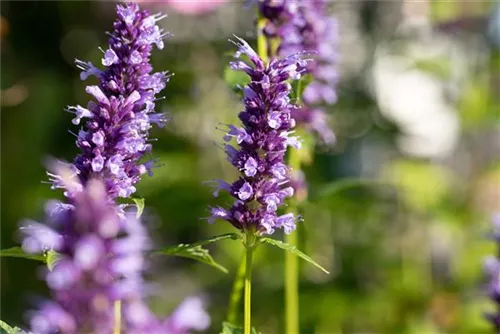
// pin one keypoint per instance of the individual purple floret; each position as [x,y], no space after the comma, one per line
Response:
[114,137]
[303,25]
[263,141]
[492,270]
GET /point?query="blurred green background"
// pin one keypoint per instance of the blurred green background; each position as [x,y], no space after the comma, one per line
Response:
[398,209]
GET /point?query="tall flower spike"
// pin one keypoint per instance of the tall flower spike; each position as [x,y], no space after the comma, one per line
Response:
[262,142]
[114,137]
[303,25]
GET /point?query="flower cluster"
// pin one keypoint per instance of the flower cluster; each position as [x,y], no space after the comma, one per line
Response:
[303,25]
[100,261]
[263,140]
[115,135]
[492,270]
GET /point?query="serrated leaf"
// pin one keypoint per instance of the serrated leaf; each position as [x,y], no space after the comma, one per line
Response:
[195,250]
[202,255]
[293,249]
[18,252]
[11,330]
[229,328]
[51,258]
[139,203]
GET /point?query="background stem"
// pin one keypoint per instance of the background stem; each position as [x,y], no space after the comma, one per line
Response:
[262,40]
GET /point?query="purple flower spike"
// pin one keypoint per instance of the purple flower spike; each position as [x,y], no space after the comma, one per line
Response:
[262,143]
[114,137]
[303,25]
[100,249]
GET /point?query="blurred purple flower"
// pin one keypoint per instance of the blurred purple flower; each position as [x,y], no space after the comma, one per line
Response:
[303,25]
[114,137]
[189,315]
[263,141]
[100,261]
[492,271]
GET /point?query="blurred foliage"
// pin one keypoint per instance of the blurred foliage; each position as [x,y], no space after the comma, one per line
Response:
[402,236]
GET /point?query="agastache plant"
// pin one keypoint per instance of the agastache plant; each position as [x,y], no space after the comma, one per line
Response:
[262,142]
[99,262]
[293,26]
[97,284]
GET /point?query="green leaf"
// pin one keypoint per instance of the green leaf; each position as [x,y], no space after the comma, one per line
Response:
[18,252]
[51,258]
[195,250]
[293,249]
[11,330]
[200,254]
[229,328]
[139,202]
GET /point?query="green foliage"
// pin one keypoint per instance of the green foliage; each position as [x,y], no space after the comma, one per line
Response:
[196,252]
[229,328]
[293,249]
[10,330]
[18,252]
[50,257]
[139,202]
[427,187]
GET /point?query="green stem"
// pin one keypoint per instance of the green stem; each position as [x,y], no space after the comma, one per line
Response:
[238,284]
[262,40]
[291,262]
[250,245]
[291,288]
[118,317]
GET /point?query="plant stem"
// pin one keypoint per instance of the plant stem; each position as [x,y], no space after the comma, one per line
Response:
[262,40]
[238,284]
[118,317]
[291,288]
[249,244]
[291,262]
